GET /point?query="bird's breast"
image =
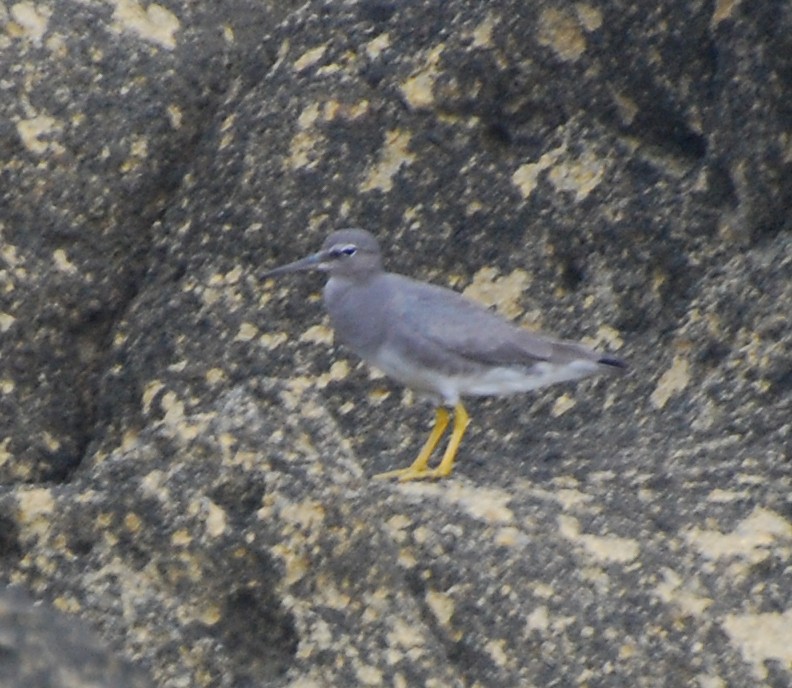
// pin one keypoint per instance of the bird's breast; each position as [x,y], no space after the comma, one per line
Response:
[357,315]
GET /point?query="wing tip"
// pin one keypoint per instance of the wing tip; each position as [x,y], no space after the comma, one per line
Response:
[611,362]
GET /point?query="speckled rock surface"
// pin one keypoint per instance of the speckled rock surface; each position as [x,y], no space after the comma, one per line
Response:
[186,457]
[43,647]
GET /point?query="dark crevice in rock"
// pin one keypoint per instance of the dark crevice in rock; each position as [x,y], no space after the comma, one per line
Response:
[10,548]
[259,633]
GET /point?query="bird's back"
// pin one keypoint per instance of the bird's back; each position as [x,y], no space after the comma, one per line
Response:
[441,343]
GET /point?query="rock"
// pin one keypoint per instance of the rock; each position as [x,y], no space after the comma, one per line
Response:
[186,456]
[43,647]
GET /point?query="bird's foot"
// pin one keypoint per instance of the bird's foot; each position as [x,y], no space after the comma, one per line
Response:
[409,474]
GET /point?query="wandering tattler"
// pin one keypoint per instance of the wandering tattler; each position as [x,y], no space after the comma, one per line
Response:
[434,340]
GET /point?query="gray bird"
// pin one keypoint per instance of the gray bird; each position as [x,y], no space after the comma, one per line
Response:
[435,341]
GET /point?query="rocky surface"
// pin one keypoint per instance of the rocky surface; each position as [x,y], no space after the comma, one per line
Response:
[43,647]
[186,458]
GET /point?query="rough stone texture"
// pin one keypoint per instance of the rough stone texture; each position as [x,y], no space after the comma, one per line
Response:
[185,459]
[41,647]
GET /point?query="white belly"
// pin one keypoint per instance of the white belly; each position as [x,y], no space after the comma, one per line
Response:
[488,382]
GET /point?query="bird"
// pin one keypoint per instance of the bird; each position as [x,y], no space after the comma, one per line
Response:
[435,341]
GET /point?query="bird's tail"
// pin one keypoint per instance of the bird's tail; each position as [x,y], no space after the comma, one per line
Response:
[613,364]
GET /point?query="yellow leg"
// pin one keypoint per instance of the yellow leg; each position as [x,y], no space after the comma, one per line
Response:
[461,420]
[418,467]
[418,470]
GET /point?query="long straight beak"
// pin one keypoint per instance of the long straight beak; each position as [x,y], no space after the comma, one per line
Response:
[315,261]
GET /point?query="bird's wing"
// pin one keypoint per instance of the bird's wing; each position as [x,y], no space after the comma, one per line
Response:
[441,320]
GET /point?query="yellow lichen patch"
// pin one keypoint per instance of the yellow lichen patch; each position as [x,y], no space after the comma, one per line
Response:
[377,45]
[155,23]
[215,519]
[487,505]
[35,507]
[50,441]
[346,111]
[246,332]
[509,536]
[37,134]
[327,593]
[215,375]
[483,504]
[233,276]
[672,381]
[418,88]
[296,565]
[561,32]
[497,651]
[305,146]
[562,404]
[538,619]
[128,440]
[397,525]
[610,337]
[227,131]
[675,590]
[203,611]
[751,539]
[610,548]
[306,515]
[376,396]
[526,177]
[405,636]
[543,590]
[723,10]
[300,151]
[502,292]
[317,635]
[175,116]
[309,58]
[422,535]
[273,340]
[181,538]
[762,637]
[568,498]
[317,334]
[151,390]
[6,321]
[67,604]
[209,614]
[32,19]
[590,17]
[441,606]
[368,675]
[394,156]
[603,548]
[338,371]
[308,117]
[175,419]
[719,496]
[5,455]
[132,522]
[62,262]
[482,34]
[579,176]
[626,107]
[138,152]
[294,392]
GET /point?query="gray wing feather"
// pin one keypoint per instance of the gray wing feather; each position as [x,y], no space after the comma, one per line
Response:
[449,324]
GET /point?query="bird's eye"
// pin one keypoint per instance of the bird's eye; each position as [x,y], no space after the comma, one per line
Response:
[340,251]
